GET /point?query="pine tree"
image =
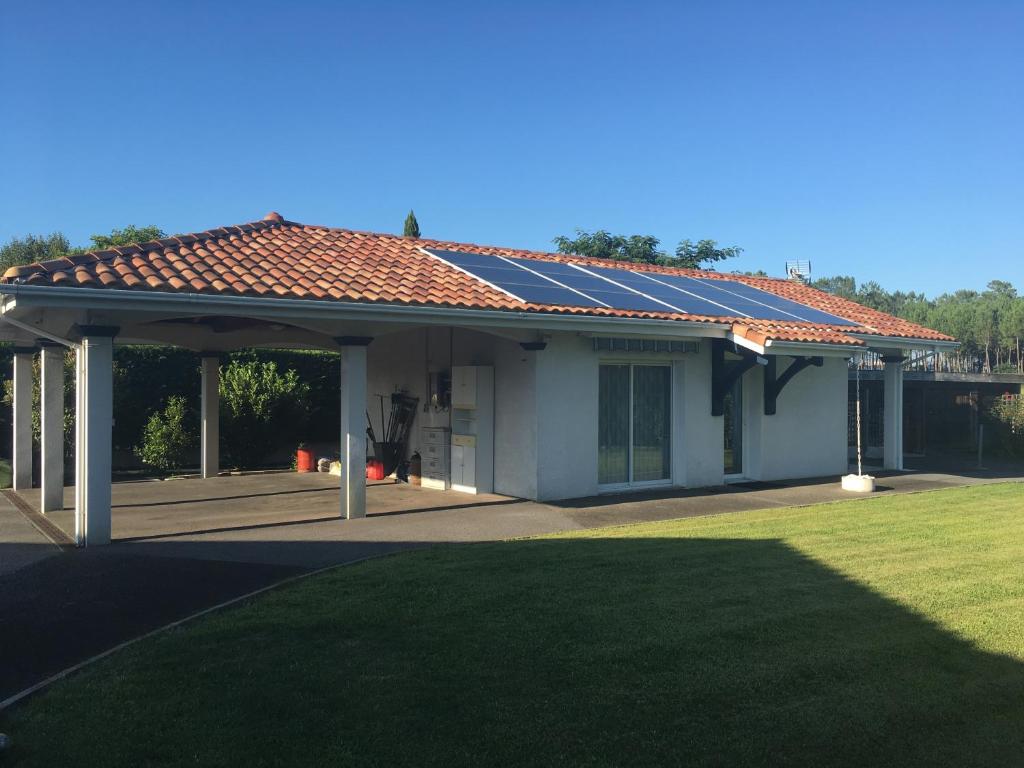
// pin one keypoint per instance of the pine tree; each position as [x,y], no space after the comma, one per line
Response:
[412,227]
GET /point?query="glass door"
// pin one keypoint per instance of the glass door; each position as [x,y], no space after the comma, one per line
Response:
[634,424]
[734,429]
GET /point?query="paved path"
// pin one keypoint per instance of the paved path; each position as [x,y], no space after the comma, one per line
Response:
[186,545]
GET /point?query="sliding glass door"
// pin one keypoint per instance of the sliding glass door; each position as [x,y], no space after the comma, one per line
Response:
[634,424]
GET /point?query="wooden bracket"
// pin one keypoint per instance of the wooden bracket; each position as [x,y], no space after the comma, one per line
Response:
[724,375]
[774,383]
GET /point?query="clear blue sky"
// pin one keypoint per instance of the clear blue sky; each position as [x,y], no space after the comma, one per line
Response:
[880,139]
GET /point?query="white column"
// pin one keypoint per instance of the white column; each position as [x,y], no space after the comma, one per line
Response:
[21,450]
[94,419]
[353,426]
[892,428]
[51,427]
[210,415]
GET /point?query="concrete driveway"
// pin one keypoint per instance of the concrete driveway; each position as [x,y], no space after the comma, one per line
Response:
[185,545]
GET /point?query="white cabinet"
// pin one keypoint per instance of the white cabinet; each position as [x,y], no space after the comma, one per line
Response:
[464,386]
[434,458]
[472,442]
[464,463]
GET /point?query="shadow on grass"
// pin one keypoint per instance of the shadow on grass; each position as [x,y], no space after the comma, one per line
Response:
[607,651]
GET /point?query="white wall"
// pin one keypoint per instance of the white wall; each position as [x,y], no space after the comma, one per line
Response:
[566,396]
[702,443]
[806,437]
[546,411]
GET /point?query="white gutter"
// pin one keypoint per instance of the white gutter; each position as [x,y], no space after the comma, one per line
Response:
[898,341]
[189,303]
[317,309]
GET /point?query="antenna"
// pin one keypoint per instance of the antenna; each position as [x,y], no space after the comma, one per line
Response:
[798,271]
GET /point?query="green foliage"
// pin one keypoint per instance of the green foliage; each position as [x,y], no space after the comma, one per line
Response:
[69,401]
[170,439]
[702,253]
[642,249]
[263,411]
[412,227]
[1007,416]
[127,236]
[33,248]
[989,325]
[639,249]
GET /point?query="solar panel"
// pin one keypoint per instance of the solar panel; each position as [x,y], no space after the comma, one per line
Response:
[564,284]
[511,278]
[689,303]
[788,308]
[593,285]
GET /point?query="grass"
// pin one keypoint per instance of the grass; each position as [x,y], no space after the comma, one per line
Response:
[6,474]
[885,631]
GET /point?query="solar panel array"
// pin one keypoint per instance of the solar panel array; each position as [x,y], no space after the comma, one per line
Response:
[575,285]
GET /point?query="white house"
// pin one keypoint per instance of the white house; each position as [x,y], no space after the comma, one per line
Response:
[540,376]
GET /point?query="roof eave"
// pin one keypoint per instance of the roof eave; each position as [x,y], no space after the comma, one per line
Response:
[113,300]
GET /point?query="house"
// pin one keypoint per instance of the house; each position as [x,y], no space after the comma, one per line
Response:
[542,376]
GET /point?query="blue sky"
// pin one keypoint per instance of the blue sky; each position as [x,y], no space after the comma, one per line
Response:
[877,139]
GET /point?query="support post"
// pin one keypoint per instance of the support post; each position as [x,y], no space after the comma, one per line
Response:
[353,425]
[210,415]
[51,426]
[21,449]
[892,428]
[94,421]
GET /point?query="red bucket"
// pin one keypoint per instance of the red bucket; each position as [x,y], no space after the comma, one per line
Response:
[374,470]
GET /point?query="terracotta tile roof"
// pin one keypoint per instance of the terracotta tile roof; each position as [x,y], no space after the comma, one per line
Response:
[283,259]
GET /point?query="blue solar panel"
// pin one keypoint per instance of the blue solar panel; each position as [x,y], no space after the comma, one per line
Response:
[551,282]
[607,293]
[773,307]
[683,302]
[515,280]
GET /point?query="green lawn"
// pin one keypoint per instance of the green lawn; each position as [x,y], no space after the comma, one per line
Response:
[887,631]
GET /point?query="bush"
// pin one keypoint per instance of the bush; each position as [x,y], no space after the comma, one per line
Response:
[262,411]
[170,438]
[1007,417]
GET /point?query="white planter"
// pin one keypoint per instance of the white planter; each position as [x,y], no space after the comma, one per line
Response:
[858,483]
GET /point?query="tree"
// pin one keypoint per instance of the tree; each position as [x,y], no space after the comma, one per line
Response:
[33,248]
[262,410]
[690,254]
[840,285]
[412,227]
[641,249]
[130,235]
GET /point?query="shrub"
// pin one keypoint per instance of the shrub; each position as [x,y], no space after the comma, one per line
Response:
[170,438]
[262,411]
[1007,416]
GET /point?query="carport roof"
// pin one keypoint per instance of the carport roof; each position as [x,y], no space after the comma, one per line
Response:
[283,259]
